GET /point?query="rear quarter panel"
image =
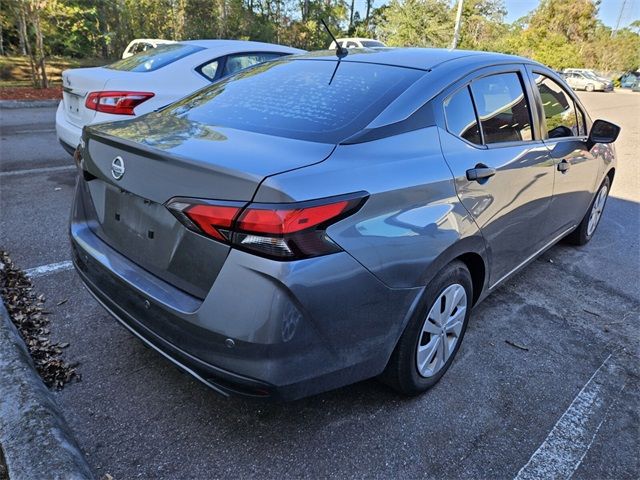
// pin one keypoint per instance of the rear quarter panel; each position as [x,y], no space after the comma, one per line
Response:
[411,225]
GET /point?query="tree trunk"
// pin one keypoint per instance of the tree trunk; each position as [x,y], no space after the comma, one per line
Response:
[353,4]
[103,25]
[22,31]
[40,49]
[222,28]
[1,41]
[369,5]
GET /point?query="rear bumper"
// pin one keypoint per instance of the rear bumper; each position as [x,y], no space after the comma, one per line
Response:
[297,328]
[67,133]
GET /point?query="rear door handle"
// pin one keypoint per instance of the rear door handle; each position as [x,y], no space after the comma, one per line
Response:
[564,166]
[480,172]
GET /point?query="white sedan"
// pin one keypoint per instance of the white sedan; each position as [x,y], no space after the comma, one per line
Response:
[150,80]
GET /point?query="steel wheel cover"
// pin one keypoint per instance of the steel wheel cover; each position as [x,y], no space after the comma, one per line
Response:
[596,210]
[441,330]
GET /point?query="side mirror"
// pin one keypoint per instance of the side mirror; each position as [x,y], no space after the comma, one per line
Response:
[603,132]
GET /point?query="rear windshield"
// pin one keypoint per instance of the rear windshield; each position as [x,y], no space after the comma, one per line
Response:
[371,43]
[316,100]
[155,58]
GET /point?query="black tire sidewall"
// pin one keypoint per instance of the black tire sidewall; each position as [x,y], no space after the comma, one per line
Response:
[410,381]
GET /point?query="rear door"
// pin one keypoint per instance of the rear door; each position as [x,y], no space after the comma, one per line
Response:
[502,169]
[564,128]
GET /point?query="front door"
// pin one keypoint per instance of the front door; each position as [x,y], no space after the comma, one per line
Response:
[503,173]
[575,168]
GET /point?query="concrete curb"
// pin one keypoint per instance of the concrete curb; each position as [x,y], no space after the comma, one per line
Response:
[13,104]
[35,438]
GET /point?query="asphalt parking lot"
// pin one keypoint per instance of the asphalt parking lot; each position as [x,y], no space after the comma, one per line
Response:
[546,383]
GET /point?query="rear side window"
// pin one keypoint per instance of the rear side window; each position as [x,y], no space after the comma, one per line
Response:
[559,109]
[502,108]
[316,100]
[155,58]
[461,116]
[235,63]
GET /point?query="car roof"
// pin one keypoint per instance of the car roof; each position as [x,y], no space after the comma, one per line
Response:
[356,39]
[156,40]
[419,58]
[239,45]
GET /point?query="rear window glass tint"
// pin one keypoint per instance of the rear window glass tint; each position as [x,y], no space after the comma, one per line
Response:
[371,43]
[235,63]
[155,58]
[323,101]
[461,117]
[502,108]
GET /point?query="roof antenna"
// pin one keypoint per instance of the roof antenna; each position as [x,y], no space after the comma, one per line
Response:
[340,50]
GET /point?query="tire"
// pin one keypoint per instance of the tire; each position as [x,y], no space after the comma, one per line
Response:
[589,88]
[402,372]
[587,228]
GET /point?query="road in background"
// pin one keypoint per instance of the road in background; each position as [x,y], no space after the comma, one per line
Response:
[546,380]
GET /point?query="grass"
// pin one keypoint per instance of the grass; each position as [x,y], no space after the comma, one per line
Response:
[16,72]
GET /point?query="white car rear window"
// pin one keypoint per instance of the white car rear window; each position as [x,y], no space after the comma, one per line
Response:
[155,58]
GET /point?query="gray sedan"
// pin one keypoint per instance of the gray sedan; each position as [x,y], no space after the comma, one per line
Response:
[318,220]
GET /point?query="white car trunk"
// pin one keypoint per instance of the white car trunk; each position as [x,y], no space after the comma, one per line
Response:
[77,84]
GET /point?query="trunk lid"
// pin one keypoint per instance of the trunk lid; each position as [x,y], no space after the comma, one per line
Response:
[76,84]
[177,158]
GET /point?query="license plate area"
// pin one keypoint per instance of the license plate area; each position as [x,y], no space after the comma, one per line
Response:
[134,218]
[146,233]
[72,104]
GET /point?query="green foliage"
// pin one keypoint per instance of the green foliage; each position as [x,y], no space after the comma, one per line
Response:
[416,23]
[559,33]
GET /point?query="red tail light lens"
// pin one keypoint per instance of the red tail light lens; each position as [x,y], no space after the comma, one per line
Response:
[116,103]
[284,221]
[282,231]
[213,219]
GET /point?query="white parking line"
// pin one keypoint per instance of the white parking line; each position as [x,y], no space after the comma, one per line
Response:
[42,130]
[37,170]
[43,270]
[562,452]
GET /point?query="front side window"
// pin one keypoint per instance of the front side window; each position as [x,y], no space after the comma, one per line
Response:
[235,63]
[461,117]
[559,109]
[502,108]
[154,58]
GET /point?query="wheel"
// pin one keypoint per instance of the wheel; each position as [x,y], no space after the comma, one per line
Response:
[584,232]
[433,336]
[589,88]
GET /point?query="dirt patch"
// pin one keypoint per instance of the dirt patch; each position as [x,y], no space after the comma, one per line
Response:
[30,93]
[27,312]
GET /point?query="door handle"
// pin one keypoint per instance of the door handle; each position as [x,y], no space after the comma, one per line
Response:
[564,166]
[480,172]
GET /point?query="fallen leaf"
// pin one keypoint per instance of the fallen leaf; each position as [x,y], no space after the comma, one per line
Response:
[517,345]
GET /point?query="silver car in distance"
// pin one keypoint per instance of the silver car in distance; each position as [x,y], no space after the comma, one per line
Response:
[312,221]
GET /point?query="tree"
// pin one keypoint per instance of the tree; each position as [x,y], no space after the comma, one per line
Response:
[417,23]
[482,24]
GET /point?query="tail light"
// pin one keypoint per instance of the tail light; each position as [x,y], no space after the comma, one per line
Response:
[282,231]
[116,103]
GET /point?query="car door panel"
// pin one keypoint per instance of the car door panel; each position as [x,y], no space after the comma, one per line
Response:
[510,207]
[576,170]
